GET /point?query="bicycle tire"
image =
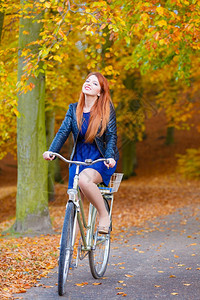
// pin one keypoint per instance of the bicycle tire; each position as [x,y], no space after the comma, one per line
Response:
[99,254]
[66,248]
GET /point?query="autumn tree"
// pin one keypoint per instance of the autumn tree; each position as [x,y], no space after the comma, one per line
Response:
[32,203]
[8,78]
[1,21]
[117,39]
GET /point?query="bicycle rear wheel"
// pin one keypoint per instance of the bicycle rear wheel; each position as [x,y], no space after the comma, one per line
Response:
[99,254]
[66,248]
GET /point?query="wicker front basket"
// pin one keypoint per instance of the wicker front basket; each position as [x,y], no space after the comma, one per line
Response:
[114,184]
[115,181]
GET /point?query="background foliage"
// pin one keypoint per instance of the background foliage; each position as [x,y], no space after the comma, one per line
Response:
[149,51]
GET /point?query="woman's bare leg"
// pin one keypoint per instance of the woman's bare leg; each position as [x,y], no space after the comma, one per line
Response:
[88,180]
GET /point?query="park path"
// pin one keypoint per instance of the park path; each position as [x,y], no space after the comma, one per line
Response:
[159,261]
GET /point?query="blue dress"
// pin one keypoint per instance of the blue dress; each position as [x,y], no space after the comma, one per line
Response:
[88,151]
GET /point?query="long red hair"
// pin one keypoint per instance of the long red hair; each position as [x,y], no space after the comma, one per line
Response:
[100,112]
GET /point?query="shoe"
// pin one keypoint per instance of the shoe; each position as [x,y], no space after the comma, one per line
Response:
[103,229]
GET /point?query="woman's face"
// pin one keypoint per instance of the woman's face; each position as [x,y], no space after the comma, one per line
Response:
[91,86]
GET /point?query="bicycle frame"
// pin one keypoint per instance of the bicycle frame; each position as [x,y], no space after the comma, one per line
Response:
[75,197]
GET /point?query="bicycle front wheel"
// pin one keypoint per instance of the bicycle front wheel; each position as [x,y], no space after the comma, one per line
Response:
[66,248]
[99,254]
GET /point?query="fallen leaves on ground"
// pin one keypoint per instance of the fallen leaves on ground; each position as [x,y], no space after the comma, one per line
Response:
[174,294]
[81,284]
[143,199]
[122,294]
[25,260]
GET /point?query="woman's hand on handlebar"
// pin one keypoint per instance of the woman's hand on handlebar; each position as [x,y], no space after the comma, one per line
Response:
[47,155]
[111,163]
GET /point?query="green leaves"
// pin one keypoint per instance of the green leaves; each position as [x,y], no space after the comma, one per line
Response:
[189,164]
[117,38]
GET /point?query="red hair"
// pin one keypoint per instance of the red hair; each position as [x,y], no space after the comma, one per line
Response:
[100,112]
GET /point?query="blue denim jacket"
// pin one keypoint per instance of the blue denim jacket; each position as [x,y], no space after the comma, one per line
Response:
[107,143]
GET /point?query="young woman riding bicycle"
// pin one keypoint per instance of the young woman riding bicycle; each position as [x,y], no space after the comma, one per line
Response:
[92,122]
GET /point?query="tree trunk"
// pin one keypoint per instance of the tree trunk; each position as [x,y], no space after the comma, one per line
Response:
[50,122]
[170,136]
[129,155]
[129,158]
[32,214]
[58,175]
[107,45]
[1,23]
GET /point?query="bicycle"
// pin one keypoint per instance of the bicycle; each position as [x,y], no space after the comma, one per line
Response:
[93,244]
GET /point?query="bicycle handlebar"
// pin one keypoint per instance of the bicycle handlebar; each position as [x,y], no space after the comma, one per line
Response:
[87,162]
